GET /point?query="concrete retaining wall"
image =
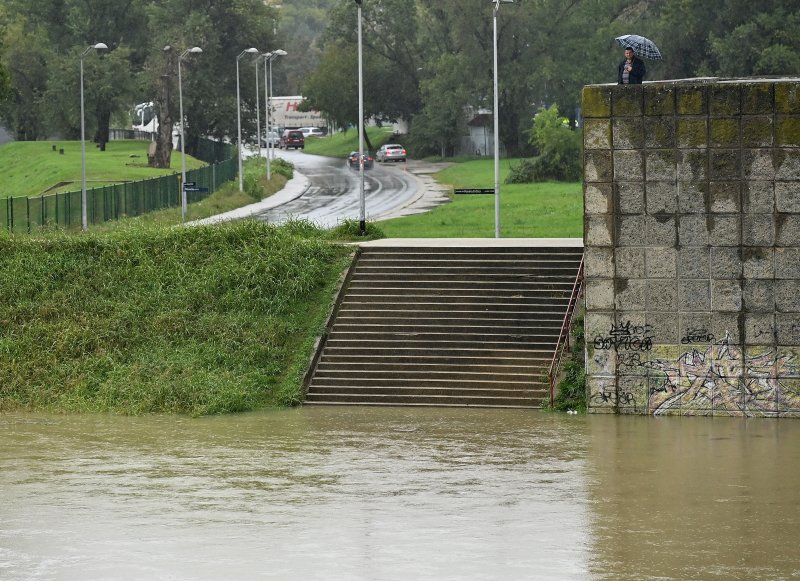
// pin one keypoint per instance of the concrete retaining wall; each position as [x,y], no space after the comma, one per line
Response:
[692,238]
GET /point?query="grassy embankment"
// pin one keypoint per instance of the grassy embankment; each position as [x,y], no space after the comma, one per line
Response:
[542,210]
[341,144]
[182,320]
[32,168]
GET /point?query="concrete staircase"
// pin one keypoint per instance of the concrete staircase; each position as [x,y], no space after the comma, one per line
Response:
[446,326]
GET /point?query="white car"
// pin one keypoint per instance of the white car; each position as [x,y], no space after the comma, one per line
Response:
[391,152]
[312,132]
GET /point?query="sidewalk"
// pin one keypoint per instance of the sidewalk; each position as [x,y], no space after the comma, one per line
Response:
[429,194]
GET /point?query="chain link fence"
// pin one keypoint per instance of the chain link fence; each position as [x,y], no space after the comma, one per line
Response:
[104,203]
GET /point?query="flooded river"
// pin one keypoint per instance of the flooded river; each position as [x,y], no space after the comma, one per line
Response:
[398,493]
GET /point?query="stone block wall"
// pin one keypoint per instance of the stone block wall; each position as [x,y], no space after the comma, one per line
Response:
[692,247]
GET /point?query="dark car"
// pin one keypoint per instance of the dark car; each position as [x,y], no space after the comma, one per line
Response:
[292,138]
[352,160]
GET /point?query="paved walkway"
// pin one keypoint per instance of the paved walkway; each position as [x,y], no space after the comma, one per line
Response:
[429,195]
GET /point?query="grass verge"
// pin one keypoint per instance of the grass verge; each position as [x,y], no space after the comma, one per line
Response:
[201,320]
[341,144]
[541,210]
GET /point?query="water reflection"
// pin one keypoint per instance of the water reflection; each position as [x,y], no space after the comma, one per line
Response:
[315,493]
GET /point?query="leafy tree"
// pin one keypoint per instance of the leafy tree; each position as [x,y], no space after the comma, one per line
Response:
[558,147]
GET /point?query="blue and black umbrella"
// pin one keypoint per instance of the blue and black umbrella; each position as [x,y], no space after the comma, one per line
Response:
[641,46]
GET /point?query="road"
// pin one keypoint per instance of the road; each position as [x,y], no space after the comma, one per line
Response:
[334,192]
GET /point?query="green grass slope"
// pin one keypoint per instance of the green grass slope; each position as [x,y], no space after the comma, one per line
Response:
[32,168]
[200,320]
[341,144]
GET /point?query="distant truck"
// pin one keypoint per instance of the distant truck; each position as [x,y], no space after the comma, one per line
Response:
[285,114]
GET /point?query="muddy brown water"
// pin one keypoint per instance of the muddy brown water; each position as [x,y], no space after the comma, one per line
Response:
[397,493]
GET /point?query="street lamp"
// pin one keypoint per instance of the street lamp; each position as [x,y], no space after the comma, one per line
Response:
[84,220]
[268,86]
[193,50]
[362,220]
[239,112]
[497,126]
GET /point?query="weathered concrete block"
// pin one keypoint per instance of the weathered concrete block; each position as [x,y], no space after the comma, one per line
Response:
[759,296]
[599,262]
[724,229]
[728,325]
[692,132]
[692,99]
[630,262]
[659,132]
[787,296]
[660,230]
[597,324]
[725,99]
[662,295]
[758,263]
[757,164]
[661,262]
[597,198]
[630,230]
[659,100]
[629,197]
[725,132]
[599,230]
[630,294]
[787,263]
[726,262]
[660,165]
[787,196]
[596,101]
[759,197]
[694,262]
[600,294]
[693,197]
[787,97]
[759,328]
[628,133]
[787,230]
[628,165]
[626,100]
[600,362]
[693,166]
[597,166]
[726,295]
[787,329]
[786,164]
[758,230]
[725,196]
[662,197]
[787,131]
[757,131]
[694,295]
[597,133]
[665,328]
[757,98]
[724,164]
[693,230]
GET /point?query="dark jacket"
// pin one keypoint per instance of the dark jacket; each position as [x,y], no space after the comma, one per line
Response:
[637,73]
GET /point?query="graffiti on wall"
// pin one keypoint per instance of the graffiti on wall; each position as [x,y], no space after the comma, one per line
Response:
[723,377]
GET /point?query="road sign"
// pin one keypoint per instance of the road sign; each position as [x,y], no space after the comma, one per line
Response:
[473,191]
[189,185]
[195,189]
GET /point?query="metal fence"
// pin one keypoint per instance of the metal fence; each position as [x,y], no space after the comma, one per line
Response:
[127,199]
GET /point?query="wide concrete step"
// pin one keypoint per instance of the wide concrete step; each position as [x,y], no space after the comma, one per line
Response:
[512,307]
[431,390]
[475,314]
[390,321]
[428,252]
[458,359]
[450,328]
[397,399]
[472,350]
[488,273]
[519,295]
[412,377]
[417,367]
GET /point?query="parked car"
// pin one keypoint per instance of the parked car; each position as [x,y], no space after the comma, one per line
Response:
[273,139]
[312,132]
[352,160]
[292,138]
[391,152]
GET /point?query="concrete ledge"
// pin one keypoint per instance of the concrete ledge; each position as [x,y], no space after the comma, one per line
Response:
[472,242]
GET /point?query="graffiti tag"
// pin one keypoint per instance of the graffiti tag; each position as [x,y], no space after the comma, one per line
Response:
[626,337]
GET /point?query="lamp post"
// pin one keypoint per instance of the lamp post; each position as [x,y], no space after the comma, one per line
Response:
[239,112]
[497,125]
[362,220]
[193,50]
[84,220]
[268,86]
[258,104]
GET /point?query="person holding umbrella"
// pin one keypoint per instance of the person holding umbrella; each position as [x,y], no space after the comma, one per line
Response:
[631,71]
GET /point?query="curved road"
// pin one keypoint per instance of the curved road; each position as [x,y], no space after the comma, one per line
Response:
[334,192]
